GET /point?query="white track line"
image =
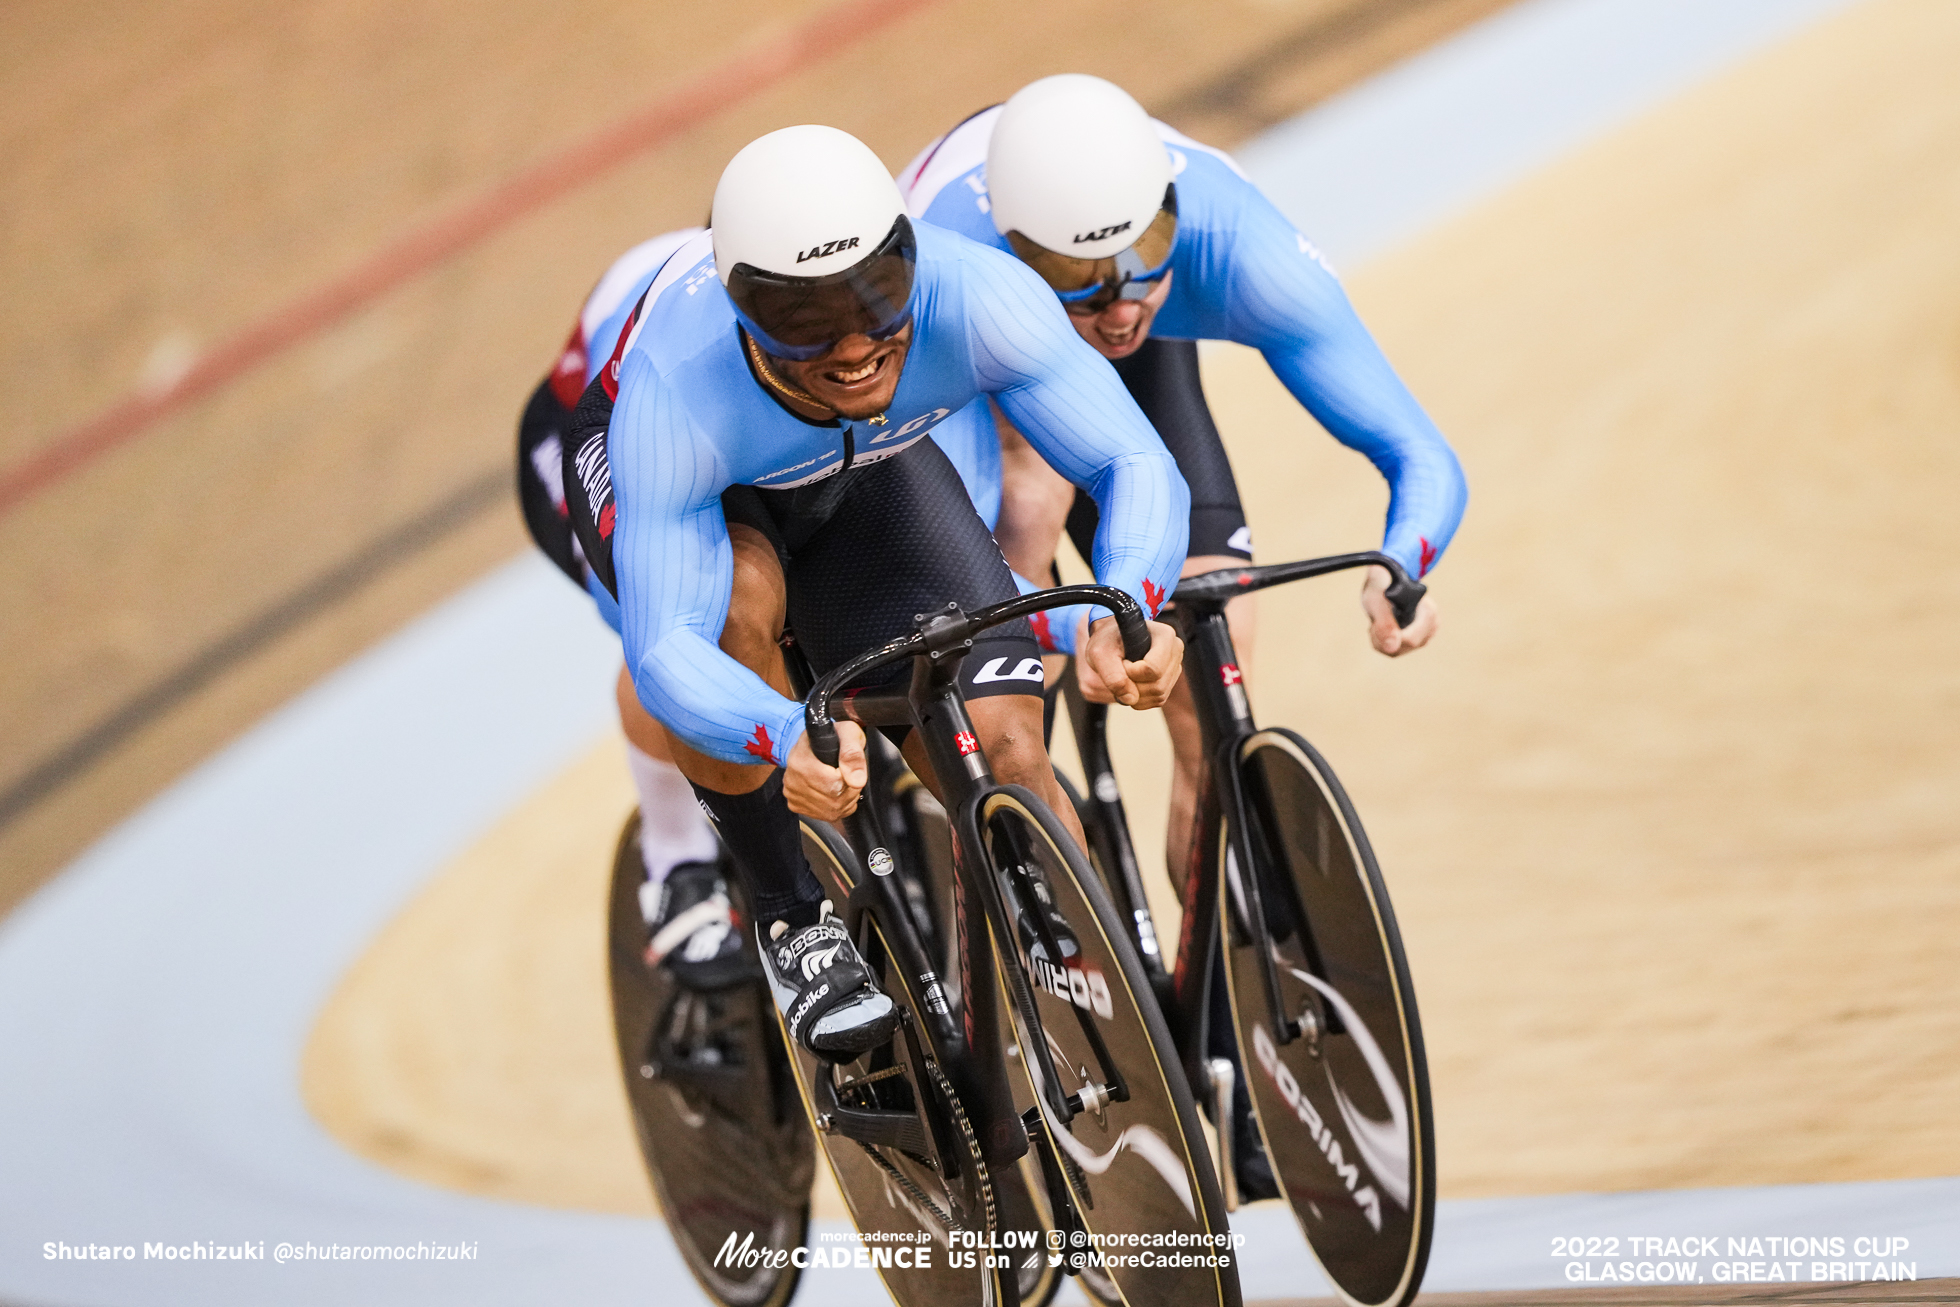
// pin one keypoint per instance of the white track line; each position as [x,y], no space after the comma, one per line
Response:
[155,998]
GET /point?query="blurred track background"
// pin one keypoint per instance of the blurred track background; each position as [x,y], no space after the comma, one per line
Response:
[187,173]
[1671,811]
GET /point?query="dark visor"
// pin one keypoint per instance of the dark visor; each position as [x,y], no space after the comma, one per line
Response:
[803,317]
[1091,285]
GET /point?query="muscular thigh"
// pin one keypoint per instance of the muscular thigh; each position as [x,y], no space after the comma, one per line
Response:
[904,541]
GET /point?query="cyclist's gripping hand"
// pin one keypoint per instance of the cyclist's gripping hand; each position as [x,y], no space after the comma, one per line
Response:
[826,793]
[1106,678]
[1389,638]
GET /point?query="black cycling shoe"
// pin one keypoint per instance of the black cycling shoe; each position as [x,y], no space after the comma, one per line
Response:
[692,932]
[825,992]
[1252,1170]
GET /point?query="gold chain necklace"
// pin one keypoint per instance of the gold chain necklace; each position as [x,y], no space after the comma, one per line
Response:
[784,388]
[781,387]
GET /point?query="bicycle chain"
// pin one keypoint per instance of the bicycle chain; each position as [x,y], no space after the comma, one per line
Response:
[873,1078]
[972,1142]
[905,1183]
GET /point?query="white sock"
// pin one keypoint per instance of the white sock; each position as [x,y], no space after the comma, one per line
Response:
[673,829]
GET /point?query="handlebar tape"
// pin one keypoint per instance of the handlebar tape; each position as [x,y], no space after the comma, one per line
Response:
[823,742]
[1403,596]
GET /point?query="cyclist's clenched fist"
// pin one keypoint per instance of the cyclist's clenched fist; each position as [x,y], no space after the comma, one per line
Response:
[826,793]
[1107,678]
[1387,637]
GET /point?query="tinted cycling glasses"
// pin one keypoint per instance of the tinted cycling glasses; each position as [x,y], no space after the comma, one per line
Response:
[1088,286]
[802,318]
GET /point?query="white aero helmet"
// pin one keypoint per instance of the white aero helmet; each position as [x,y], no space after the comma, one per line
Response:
[1080,184]
[812,241]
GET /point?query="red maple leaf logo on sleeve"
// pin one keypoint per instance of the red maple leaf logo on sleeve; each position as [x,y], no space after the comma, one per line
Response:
[1042,635]
[1428,556]
[760,746]
[1153,595]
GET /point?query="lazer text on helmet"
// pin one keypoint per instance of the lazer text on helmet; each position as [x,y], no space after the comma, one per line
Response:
[828,247]
[1101,233]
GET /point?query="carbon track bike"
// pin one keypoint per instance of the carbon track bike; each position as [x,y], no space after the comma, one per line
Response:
[927,1135]
[1317,987]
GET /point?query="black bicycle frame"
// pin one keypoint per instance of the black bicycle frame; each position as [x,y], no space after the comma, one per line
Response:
[1108,832]
[965,1027]
[1211,667]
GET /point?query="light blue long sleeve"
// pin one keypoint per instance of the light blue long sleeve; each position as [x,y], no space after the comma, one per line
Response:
[1241,272]
[1281,299]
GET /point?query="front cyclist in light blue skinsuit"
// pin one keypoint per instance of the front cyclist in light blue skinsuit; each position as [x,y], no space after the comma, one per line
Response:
[683,898]
[764,419]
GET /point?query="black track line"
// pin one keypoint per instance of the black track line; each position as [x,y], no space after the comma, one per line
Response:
[379,556]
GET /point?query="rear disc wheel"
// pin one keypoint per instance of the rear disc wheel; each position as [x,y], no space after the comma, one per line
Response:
[720,1127]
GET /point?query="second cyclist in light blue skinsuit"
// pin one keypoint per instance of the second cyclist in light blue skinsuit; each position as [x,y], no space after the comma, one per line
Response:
[1241,272]
[1156,241]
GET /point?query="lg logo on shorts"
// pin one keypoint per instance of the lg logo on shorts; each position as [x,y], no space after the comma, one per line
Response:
[1029,669]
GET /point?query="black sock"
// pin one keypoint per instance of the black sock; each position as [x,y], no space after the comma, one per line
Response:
[1221,1039]
[761,834]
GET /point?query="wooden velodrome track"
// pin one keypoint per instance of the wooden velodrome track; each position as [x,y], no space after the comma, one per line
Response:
[196,168]
[1669,810]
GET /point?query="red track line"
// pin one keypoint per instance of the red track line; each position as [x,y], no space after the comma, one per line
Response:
[420,249]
